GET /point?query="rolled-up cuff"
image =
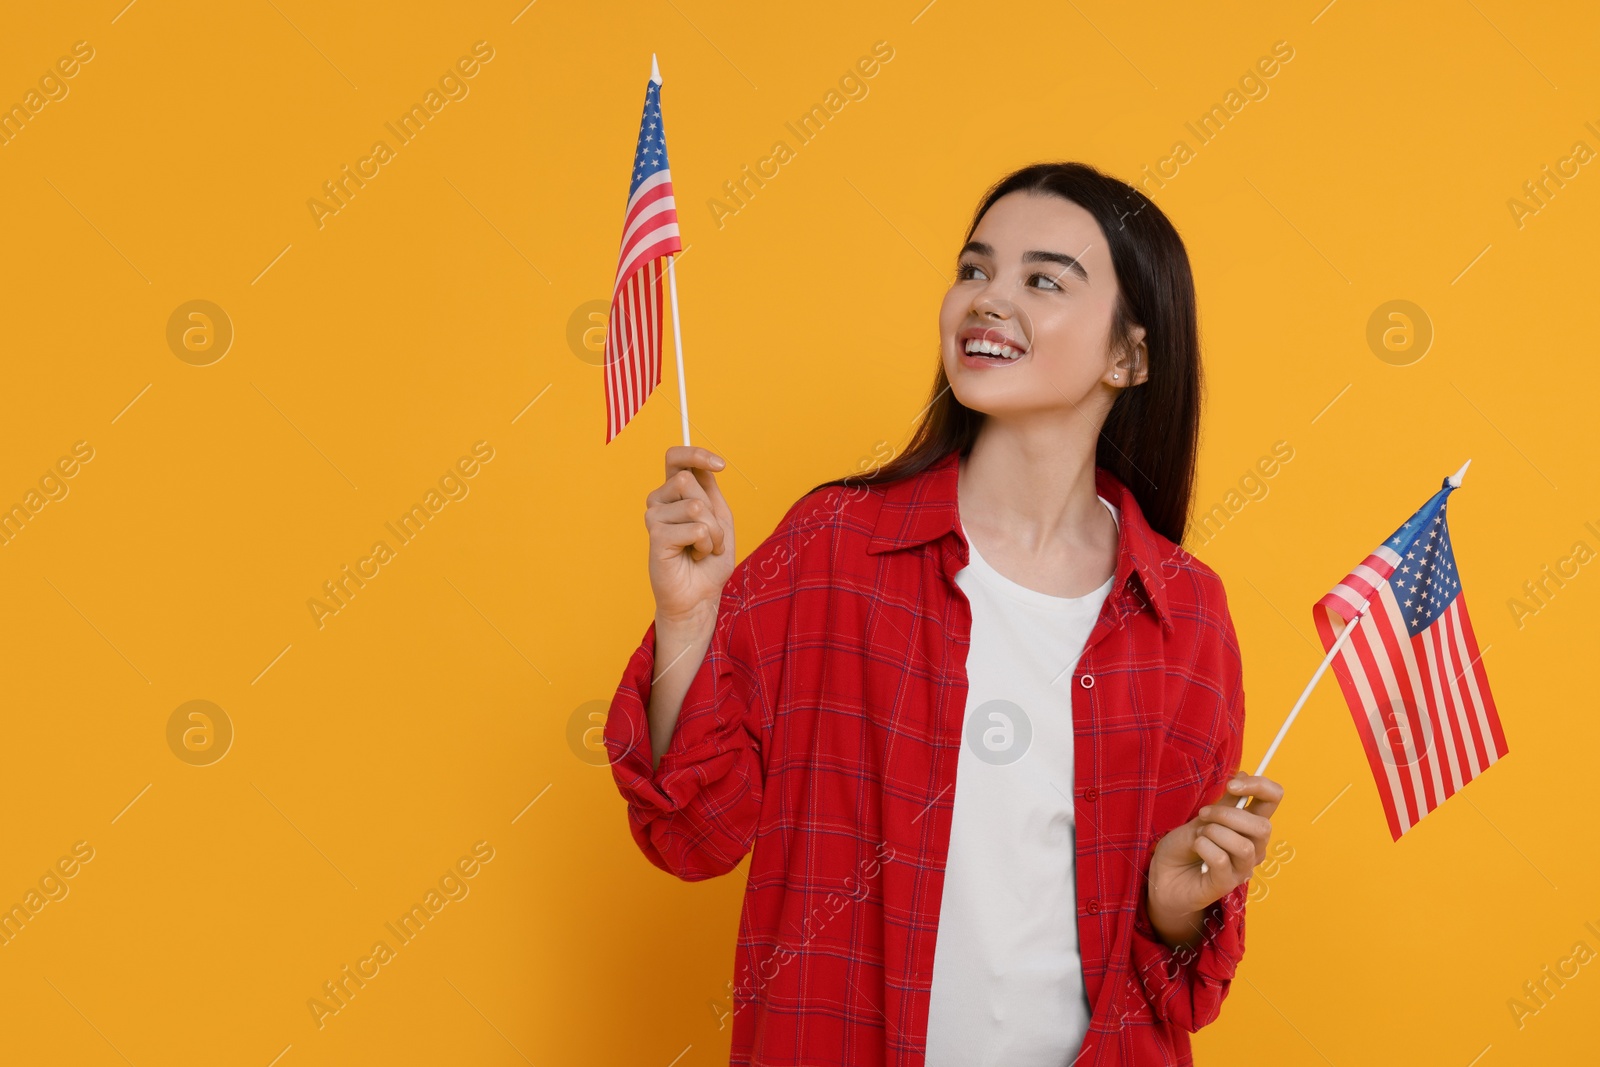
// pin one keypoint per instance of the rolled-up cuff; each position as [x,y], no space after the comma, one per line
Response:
[702,729]
[694,813]
[1186,986]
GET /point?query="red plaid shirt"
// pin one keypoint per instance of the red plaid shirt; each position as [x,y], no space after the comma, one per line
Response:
[822,729]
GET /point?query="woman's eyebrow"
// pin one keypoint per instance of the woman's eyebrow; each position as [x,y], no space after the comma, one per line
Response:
[1067,262]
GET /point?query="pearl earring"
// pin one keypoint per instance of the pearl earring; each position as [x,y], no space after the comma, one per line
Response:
[1116,375]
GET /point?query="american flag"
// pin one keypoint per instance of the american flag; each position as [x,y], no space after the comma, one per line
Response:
[1411,670]
[649,235]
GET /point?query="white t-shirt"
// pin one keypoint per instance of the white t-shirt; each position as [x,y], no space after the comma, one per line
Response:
[1007,976]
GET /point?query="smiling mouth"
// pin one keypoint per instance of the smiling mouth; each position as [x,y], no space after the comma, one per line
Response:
[998,352]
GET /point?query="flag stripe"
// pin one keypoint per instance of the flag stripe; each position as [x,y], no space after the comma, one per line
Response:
[1455,752]
[1472,701]
[650,191]
[655,322]
[647,217]
[639,332]
[1401,652]
[663,240]
[1358,695]
[1398,732]
[1481,679]
[1458,706]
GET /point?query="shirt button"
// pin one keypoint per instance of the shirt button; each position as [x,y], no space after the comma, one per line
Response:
[1091,794]
[1094,906]
[1086,680]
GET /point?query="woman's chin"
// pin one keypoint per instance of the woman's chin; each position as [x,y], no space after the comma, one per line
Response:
[996,398]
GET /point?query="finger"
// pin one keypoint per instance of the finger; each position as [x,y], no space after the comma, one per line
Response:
[683,486]
[719,504]
[708,482]
[686,457]
[701,462]
[1215,855]
[670,538]
[680,485]
[1240,849]
[689,510]
[1265,793]
[1245,820]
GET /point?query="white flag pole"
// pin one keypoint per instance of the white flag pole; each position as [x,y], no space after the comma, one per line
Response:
[1455,480]
[672,288]
[677,340]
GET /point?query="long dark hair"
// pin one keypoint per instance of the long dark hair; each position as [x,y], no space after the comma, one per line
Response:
[1151,434]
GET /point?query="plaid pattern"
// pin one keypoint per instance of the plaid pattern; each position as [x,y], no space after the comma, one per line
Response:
[820,738]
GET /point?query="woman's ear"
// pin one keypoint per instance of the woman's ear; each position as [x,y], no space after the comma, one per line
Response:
[1131,366]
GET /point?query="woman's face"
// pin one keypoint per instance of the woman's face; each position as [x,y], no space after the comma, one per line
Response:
[1037,279]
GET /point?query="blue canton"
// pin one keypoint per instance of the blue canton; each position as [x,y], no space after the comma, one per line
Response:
[651,155]
[1424,581]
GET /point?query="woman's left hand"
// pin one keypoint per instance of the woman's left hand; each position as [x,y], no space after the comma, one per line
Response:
[1230,840]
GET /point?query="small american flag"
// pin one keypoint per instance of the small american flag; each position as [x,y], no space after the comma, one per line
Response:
[649,235]
[1411,671]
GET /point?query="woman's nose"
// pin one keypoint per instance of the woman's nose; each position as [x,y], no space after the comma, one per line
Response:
[992,306]
[1010,320]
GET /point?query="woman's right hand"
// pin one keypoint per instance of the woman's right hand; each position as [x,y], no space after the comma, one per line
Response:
[691,536]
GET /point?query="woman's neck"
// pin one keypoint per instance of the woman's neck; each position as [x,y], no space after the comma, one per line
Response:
[1031,486]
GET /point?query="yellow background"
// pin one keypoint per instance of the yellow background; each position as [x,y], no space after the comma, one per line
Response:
[433,712]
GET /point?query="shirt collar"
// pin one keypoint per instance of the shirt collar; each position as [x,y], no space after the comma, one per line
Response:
[924,508]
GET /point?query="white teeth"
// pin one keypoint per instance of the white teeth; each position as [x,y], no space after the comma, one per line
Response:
[978,346]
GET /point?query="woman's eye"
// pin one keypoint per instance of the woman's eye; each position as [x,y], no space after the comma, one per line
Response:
[968,271]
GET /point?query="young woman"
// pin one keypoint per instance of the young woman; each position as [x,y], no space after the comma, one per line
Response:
[975,715]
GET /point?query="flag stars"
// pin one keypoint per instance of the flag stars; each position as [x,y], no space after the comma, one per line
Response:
[1424,582]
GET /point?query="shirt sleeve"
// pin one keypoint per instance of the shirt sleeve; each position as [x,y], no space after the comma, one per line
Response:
[1187,986]
[695,814]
